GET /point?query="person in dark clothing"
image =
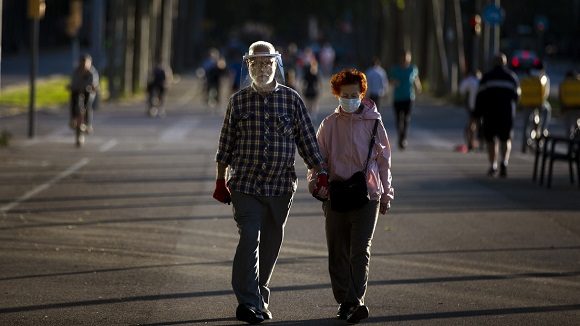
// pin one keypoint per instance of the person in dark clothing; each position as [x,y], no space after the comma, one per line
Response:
[497,96]
[311,87]
[84,84]
[156,89]
[214,80]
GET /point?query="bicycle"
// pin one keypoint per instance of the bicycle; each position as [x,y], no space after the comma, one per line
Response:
[155,102]
[534,98]
[81,121]
[82,114]
[535,126]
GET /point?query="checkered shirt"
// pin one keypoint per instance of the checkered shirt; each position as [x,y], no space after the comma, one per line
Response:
[259,138]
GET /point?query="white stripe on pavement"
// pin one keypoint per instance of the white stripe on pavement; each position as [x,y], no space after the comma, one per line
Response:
[108,145]
[178,131]
[46,185]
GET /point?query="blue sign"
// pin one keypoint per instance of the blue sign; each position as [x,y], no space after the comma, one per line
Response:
[541,23]
[493,15]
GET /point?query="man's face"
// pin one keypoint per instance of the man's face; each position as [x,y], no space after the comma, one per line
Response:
[262,70]
[86,64]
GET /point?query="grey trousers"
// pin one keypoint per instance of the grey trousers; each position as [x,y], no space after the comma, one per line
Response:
[260,222]
[349,236]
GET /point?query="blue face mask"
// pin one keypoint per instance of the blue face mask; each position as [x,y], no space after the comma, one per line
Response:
[349,105]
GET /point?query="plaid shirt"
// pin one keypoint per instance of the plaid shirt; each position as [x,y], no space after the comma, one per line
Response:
[258,141]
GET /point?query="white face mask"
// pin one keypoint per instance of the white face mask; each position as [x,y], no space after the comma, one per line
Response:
[349,105]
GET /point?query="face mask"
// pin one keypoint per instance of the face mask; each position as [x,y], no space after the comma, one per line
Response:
[349,105]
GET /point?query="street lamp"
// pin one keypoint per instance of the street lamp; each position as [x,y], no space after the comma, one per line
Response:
[36,9]
[74,22]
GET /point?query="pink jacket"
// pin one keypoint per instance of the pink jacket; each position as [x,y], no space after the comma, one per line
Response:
[344,141]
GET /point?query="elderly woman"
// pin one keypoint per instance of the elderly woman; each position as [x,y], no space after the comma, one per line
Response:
[352,139]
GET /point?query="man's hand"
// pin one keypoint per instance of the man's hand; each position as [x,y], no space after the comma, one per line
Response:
[221,192]
[384,208]
[321,188]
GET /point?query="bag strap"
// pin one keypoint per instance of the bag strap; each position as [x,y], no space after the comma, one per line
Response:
[371,144]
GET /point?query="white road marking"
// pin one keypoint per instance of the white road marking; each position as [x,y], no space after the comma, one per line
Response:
[46,185]
[178,131]
[108,145]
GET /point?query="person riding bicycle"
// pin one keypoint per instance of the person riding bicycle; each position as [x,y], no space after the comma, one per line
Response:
[157,87]
[84,82]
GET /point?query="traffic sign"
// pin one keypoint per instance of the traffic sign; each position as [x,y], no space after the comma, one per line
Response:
[493,15]
[541,23]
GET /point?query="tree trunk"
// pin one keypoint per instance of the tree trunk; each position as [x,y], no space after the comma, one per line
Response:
[440,43]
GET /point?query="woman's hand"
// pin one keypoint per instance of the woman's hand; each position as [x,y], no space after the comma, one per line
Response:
[321,188]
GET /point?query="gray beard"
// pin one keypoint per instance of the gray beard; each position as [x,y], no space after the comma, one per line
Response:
[265,88]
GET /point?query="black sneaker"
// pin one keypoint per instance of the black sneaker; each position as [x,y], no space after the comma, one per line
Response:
[357,314]
[249,314]
[491,172]
[343,310]
[503,171]
[402,144]
[266,314]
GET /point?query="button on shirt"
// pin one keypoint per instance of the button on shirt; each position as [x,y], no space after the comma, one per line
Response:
[259,138]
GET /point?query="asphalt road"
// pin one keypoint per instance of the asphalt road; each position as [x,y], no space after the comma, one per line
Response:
[124,230]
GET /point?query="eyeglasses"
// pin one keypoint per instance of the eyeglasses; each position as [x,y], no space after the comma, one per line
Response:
[263,63]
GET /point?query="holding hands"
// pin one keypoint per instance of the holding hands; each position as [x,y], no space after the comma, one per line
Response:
[321,188]
[221,192]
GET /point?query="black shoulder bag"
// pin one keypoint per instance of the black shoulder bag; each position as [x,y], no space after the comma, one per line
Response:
[352,193]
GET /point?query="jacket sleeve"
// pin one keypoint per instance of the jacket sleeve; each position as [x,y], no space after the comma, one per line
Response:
[384,164]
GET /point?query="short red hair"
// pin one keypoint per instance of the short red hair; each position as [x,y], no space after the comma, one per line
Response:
[348,77]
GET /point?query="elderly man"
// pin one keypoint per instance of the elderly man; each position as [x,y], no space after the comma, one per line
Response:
[263,125]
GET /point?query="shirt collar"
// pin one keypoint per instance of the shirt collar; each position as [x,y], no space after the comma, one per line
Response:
[276,87]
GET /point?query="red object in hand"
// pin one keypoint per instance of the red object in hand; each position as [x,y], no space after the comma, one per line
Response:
[321,180]
[221,192]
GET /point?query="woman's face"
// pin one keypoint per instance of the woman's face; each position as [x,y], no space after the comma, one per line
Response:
[350,91]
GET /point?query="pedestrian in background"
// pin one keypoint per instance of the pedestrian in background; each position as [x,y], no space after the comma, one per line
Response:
[327,56]
[290,63]
[344,138]
[157,85]
[495,104]
[311,86]
[263,126]
[468,88]
[377,81]
[405,79]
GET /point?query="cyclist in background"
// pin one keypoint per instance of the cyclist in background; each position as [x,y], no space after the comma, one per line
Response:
[156,89]
[84,82]
[539,72]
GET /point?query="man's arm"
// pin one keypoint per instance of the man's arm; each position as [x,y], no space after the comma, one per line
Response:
[221,171]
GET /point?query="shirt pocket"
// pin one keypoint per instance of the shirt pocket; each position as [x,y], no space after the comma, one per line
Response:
[284,125]
[246,119]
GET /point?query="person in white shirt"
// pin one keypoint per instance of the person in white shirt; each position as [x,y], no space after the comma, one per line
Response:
[468,88]
[378,82]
